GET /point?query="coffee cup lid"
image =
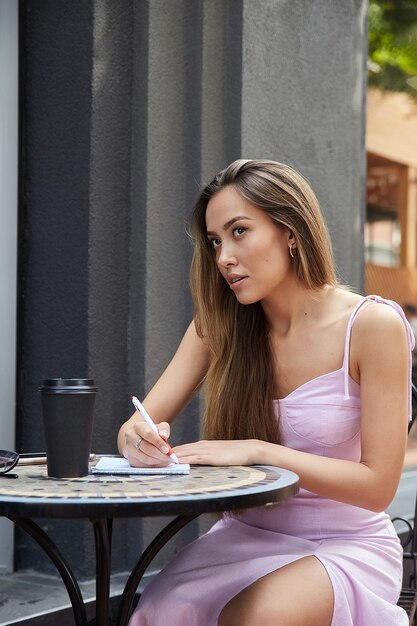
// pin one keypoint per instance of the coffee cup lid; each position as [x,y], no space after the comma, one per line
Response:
[76,384]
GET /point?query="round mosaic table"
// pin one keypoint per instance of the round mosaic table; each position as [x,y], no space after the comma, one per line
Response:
[101,498]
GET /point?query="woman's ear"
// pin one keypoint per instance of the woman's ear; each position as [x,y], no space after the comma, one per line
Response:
[291,245]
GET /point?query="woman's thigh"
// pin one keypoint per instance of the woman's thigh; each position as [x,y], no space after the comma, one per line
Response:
[298,594]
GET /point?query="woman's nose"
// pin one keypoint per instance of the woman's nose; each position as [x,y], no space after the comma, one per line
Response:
[226,256]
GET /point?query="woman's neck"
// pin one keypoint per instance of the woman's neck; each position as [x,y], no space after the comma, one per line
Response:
[295,306]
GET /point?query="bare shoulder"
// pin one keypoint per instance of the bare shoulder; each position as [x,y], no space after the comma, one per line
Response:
[379,339]
[377,320]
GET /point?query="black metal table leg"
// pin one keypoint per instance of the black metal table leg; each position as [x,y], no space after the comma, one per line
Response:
[147,556]
[48,546]
[102,537]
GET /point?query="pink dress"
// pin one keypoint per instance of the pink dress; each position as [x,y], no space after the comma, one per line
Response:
[359,548]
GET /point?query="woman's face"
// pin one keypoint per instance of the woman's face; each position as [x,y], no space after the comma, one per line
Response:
[252,253]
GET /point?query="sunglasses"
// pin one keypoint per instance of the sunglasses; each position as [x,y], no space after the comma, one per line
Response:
[7,462]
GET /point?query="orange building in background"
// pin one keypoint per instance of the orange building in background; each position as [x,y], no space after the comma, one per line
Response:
[391,203]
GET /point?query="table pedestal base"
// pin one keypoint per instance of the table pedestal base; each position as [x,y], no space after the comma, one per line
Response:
[102,538]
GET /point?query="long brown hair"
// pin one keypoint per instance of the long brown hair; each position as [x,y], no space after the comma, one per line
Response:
[240,382]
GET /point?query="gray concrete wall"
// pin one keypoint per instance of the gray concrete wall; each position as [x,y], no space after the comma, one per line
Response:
[128,107]
[303,90]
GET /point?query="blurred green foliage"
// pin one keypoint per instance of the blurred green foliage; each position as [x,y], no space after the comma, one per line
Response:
[392,45]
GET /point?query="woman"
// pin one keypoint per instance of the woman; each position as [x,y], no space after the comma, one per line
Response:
[300,373]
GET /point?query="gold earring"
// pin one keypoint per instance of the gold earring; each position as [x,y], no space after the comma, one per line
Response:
[291,250]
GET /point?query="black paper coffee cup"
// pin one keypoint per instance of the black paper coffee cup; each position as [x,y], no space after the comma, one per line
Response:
[68,415]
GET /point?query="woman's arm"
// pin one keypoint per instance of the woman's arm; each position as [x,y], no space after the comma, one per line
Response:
[379,353]
[171,393]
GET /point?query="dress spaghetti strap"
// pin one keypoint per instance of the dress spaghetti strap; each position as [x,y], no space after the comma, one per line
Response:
[346,354]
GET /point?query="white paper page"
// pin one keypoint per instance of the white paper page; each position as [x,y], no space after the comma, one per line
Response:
[120,465]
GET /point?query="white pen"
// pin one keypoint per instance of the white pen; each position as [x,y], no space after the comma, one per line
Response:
[139,407]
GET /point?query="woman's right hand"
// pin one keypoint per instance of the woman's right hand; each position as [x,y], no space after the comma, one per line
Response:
[143,446]
[167,398]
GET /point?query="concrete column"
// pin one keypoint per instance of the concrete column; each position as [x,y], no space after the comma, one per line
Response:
[221,107]
[303,90]
[56,59]
[167,148]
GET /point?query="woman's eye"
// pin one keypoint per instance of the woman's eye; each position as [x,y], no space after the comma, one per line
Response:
[239,231]
[215,242]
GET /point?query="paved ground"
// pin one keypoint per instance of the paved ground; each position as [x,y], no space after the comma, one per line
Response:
[34,600]
[27,599]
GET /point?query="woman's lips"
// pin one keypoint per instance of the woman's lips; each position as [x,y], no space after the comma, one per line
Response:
[236,281]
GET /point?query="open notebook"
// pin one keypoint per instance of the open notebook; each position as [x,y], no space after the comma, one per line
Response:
[119,465]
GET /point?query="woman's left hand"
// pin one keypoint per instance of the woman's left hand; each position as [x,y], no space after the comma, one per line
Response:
[233,452]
